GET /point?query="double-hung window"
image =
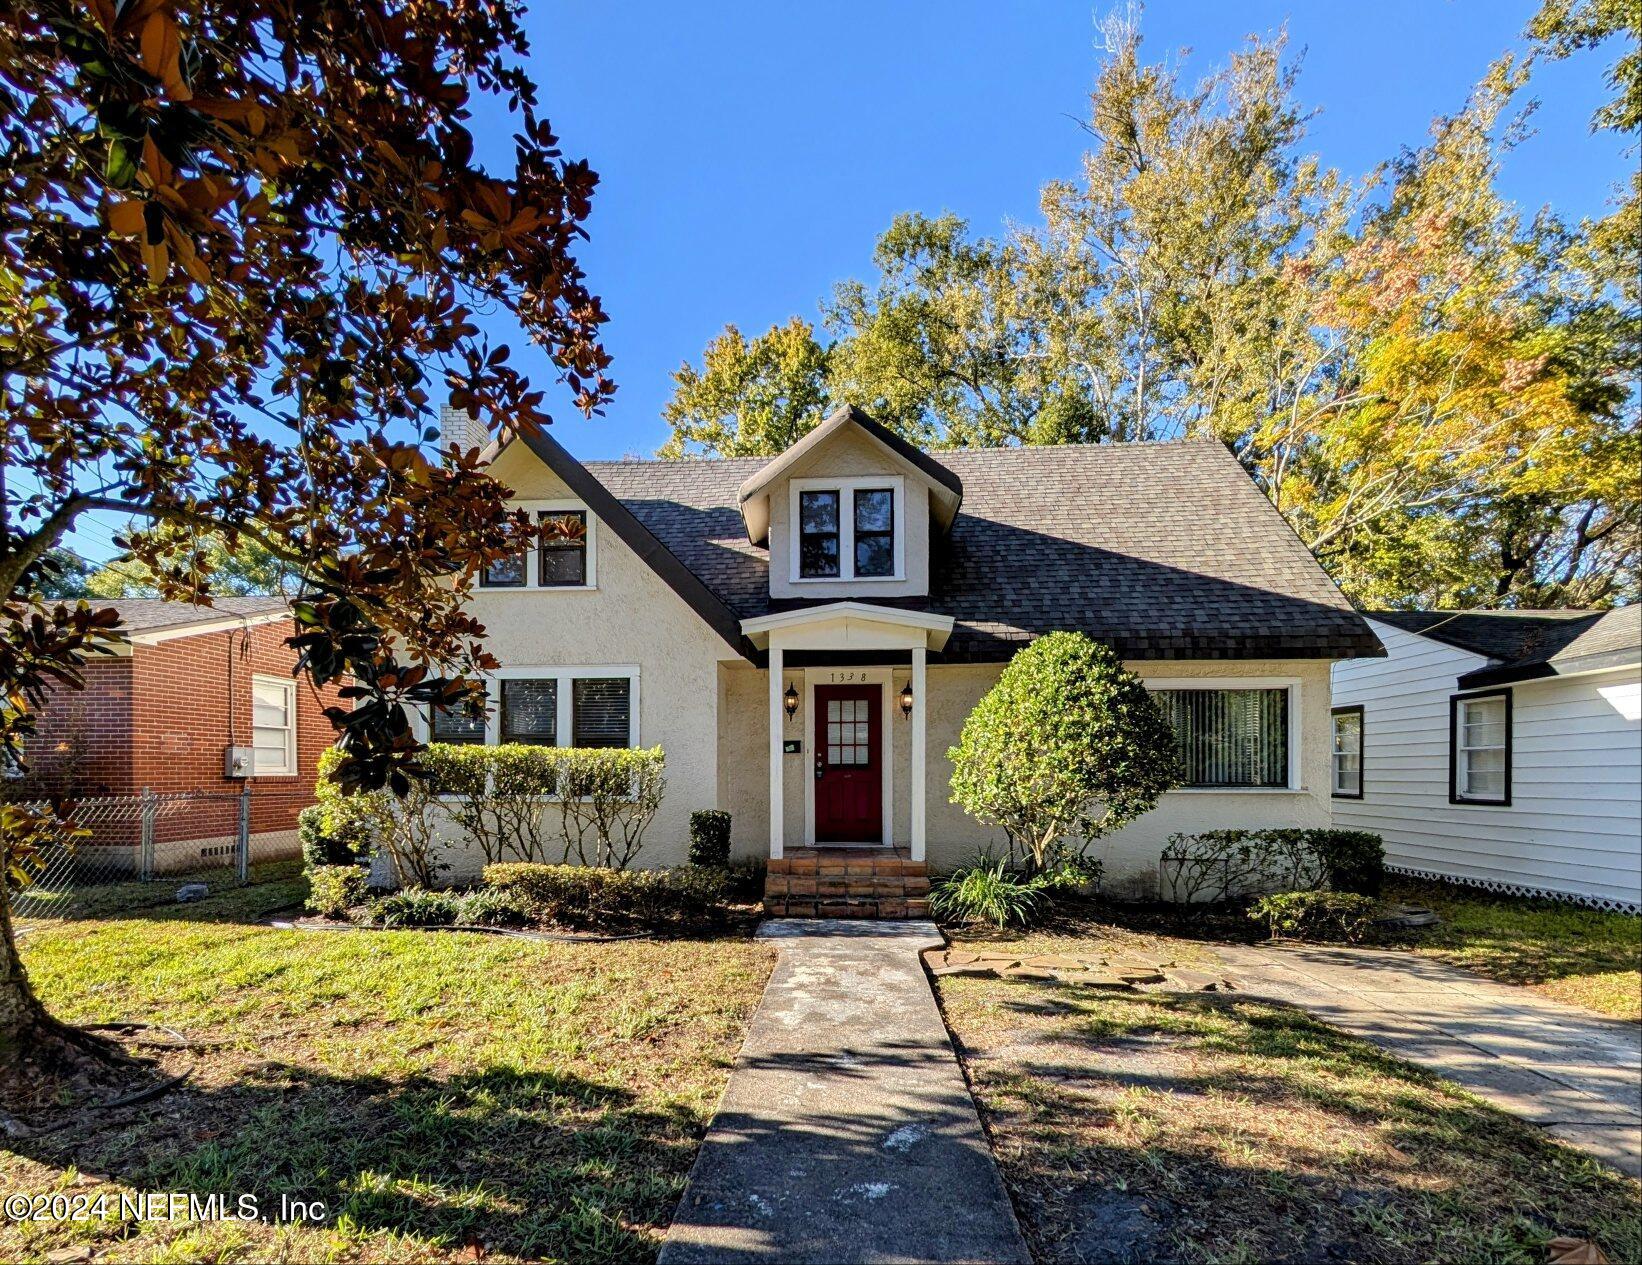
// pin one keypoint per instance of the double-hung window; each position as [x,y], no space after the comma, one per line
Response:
[1230,738]
[847,530]
[1479,748]
[566,558]
[1346,757]
[549,707]
[273,726]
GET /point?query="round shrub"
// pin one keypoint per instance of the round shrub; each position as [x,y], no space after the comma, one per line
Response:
[591,897]
[1068,742]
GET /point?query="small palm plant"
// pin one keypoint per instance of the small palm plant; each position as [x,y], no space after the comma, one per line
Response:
[986,892]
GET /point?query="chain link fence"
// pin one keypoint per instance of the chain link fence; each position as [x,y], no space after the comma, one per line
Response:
[136,851]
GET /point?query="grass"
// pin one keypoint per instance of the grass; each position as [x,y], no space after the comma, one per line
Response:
[102,900]
[447,1096]
[1583,956]
[1203,1127]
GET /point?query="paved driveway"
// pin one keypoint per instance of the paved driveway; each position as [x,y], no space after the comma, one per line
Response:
[1575,1074]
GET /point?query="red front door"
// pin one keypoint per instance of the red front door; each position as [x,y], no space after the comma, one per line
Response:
[849,777]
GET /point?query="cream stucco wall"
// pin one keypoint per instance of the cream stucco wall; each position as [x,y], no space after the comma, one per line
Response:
[851,454]
[1130,855]
[631,618]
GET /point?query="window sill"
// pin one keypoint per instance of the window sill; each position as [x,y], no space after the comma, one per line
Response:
[515,590]
[1239,790]
[847,579]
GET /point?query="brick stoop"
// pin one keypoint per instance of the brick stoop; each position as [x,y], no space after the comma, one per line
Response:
[846,883]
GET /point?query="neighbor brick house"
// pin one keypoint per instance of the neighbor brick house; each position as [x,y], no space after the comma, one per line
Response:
[804,635]
[193,699]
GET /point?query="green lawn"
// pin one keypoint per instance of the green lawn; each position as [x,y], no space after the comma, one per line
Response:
[448,1096]
[1201,1127]
[1576,955]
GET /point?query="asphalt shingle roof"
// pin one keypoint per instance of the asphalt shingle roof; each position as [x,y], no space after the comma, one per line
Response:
[1517,642]
[151,614]
[1162,550]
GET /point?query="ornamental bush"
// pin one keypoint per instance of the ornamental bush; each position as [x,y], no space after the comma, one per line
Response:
[988,892]
[1067,743]
[1315,915]
[1354,860]
[709,837]
[415,907]
[584,896]
[335,889]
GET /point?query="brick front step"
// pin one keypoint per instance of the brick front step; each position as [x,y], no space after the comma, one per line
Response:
[822,883]
[845,907]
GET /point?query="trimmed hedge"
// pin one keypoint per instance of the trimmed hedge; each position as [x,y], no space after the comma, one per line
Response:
[580,896]
[1229,865]
[709,837]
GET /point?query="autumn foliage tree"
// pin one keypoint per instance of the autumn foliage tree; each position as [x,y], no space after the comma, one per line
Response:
[242,244]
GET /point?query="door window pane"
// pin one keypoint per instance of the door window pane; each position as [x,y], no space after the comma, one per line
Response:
[1230,737]
[530,712]
[602,711]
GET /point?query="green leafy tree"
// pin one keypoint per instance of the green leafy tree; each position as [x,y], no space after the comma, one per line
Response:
[250,569]
[239,242]
[749,398]
[1067,743]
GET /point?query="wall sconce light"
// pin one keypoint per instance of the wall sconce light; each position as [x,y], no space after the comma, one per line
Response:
[789,700]
[906,699]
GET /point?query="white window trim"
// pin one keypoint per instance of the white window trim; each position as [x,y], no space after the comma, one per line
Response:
[846,527]
[1359,715]
[564,676]
[532,582]
[1289,683]
[1460,794]
[287,686]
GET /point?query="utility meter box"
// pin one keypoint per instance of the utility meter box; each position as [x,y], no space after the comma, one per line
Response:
[236,762]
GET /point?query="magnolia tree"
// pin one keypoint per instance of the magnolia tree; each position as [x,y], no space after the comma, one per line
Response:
[1068,743]
[242,243]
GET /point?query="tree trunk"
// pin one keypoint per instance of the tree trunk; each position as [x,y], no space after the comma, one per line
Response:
[27,1032]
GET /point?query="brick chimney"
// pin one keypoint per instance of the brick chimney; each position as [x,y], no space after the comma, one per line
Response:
[459,427]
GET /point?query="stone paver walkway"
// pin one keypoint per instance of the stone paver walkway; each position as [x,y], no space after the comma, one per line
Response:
[847,1132]
[1574,1073]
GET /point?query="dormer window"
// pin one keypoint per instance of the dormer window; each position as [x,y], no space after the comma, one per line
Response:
[847,529]
[566,559]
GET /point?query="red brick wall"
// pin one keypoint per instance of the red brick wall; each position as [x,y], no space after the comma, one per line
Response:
[193,700]
[162,717]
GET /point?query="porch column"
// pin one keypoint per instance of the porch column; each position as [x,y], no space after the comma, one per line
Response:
[920,774]
[776,791]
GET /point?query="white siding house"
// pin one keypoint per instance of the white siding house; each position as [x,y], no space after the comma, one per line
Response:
[1500,749]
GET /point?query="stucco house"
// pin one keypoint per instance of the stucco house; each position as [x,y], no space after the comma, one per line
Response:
[805,635]
[1500,748]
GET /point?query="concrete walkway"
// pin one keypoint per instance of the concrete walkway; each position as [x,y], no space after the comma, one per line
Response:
[1574,1073]
[847,1132]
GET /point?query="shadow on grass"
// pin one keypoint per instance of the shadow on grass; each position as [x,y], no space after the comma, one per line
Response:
[272,885]
[528,1164]
[1203,1126]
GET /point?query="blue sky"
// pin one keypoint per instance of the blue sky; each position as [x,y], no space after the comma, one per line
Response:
[751,153]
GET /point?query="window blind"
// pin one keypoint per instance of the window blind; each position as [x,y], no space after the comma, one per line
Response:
[601,711]
[530,711]
[1230,737]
